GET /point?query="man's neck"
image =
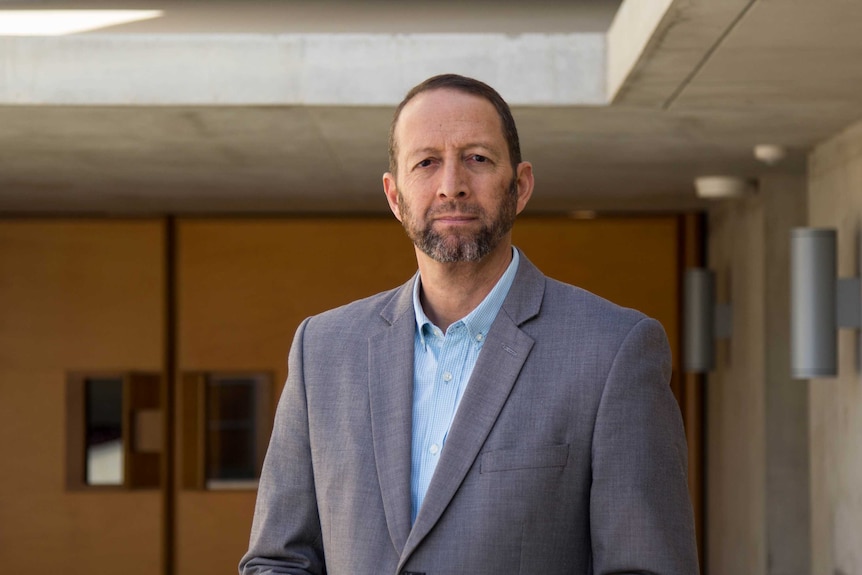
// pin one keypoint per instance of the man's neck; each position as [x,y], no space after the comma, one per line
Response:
[451,291]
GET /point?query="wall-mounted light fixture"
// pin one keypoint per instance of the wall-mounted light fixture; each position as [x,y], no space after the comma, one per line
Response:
[704,321]
[820,303]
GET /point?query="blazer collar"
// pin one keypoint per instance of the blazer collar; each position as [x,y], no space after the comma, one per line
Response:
[521,304]
[400,303]
[525,296]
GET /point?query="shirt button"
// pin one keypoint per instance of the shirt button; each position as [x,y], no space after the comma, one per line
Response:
[479,337]
[447,377]
[434,449]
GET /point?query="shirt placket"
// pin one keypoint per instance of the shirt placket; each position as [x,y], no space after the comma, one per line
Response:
[447,382]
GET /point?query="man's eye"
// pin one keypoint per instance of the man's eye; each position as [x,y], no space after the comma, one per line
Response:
[424,164]
[478,158]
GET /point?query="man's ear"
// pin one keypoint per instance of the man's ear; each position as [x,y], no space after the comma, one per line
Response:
[524,181]
[391,190]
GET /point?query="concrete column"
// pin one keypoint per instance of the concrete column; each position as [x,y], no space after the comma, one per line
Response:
[736,434]
[788,517]
[757,442]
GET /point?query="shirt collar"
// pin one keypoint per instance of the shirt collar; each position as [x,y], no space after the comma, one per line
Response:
[478,321]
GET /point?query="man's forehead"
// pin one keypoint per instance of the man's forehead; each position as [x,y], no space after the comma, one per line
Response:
[445,108]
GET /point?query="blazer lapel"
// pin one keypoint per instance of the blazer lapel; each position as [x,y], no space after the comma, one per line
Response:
[390,386]
[505,350]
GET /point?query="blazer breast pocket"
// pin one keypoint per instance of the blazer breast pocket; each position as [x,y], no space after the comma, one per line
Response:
[524,458]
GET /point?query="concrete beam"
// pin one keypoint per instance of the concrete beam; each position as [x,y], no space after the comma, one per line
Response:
[295,69]
[629,36]
[656,47]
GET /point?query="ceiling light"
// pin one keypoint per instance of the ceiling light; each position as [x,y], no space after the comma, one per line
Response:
[722,187]
[62,22]
[769,154]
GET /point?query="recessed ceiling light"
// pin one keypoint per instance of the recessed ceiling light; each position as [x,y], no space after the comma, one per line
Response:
[722,187]
[769,154]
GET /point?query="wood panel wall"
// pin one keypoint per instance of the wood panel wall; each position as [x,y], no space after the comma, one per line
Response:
[74,296]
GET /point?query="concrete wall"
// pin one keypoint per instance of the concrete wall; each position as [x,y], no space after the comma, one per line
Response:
[757,444]
[835,201]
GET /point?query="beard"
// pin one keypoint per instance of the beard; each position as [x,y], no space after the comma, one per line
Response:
[461,245]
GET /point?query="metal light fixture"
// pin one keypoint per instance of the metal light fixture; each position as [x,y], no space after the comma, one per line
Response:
[820,303]
[704,321]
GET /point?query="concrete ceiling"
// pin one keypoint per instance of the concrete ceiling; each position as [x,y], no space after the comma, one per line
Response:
[715,79]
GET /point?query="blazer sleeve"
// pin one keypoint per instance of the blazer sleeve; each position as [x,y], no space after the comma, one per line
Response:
[640,512]
[286,534]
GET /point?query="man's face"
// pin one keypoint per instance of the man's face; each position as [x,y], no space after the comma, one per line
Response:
[456,193]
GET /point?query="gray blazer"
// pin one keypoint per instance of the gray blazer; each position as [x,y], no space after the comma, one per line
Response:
[566,455]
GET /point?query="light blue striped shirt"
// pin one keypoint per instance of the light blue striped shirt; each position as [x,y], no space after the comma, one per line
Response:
[441,368]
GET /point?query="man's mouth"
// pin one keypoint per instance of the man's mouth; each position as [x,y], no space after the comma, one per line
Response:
[455,220]
[455,217]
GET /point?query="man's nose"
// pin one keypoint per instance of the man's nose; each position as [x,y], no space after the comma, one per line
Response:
[453,183]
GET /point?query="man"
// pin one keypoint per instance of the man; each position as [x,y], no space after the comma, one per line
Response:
[482,418]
